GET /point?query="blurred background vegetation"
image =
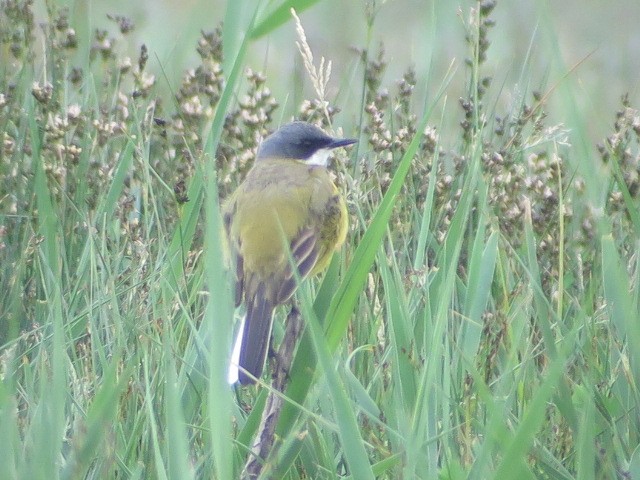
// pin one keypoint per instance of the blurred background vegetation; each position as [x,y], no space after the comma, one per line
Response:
[482,317]
[428,35]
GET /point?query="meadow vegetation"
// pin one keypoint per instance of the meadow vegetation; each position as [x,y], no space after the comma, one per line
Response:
[481,321]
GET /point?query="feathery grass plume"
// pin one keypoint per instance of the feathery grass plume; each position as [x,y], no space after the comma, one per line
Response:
[319,76]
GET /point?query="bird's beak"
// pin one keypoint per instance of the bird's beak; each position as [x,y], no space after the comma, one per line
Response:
[341,142]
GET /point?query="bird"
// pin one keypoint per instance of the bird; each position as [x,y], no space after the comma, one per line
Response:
[287,211]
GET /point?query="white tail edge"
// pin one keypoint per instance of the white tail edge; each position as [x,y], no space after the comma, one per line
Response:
[234,371]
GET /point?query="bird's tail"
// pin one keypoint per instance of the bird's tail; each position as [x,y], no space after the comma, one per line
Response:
[250,348]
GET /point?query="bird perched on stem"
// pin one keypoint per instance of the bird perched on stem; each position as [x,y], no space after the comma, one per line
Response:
[286,212]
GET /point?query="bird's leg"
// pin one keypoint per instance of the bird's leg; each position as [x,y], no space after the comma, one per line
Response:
[272,354]
[284,355]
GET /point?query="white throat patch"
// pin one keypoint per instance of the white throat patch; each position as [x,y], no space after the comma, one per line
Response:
[321,157]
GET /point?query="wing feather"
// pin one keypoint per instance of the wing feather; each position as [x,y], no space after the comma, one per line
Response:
[304,251]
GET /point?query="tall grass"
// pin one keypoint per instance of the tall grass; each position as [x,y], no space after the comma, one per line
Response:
[480,322]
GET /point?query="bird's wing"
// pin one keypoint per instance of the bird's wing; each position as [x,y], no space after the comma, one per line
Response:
[304,253]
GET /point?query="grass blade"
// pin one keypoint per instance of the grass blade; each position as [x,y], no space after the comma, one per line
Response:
[280,16]
[348,291]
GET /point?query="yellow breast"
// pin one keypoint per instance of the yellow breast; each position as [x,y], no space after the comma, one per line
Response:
[276,201]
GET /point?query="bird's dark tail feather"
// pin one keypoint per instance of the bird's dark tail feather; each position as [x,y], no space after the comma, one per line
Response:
[255,337]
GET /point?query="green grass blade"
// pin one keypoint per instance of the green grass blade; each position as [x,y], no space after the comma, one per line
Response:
[177,445]
[544,312]
[219,313]
[482,264]
[185,230]
[400,336]
[108,205]
[279,16]
[586,462]
[427,211]
[512,464]
[348,291]
[617,293]
[351,441]
[101,418]
[217,319]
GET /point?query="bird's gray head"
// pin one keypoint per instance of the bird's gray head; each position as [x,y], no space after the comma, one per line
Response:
[301,141]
